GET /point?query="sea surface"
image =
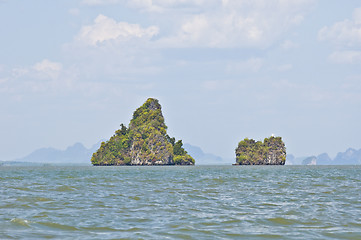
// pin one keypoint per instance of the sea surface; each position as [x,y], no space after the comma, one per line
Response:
[179,202]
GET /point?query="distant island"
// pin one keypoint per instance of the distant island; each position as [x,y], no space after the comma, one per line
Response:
[144,142]
[204,158]
[74,154]
[271,151]
[349,157]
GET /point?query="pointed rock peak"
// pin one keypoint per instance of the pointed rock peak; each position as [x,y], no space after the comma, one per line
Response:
[144,142]
[324,156]
[152,104]
[350,151]
[310,161]
[77,145]
[149,114]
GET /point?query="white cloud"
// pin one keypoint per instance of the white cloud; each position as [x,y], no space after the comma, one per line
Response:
[235,23]
[217,85]
[3,80]
[74,11]
[346,32]
[105,29]
[100,2]
[19,72]
[348,57]
[288,44]
[284,67]
[250,65]
[44,76]
[203,23]
[30,77]
[48,69]
[152,5]
[164,5]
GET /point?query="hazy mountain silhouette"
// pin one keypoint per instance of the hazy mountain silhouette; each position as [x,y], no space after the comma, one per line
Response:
[201,157]
[75,154]
[78,154]
[349,157]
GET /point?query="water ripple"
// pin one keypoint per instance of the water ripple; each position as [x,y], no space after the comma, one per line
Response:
[205,202]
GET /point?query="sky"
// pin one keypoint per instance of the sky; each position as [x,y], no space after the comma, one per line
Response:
[223,70]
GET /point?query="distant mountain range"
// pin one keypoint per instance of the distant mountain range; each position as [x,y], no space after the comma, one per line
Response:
[204,158]
[78,154]
[349,157]
[75,154]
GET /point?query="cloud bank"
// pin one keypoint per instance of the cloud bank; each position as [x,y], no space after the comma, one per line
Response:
[344,33]
[106,29]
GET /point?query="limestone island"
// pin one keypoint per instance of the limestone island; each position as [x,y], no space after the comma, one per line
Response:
[144,142]
[271,151]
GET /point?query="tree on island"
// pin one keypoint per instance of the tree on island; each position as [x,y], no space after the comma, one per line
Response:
[144,142]
[271,151]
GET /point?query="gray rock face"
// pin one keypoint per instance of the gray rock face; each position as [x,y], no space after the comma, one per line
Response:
[275,157]
[159,152]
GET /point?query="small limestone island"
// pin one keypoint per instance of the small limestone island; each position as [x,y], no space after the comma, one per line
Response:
[271,151]
[144,142]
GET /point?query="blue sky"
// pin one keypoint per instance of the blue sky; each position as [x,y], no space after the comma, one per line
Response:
[223,70]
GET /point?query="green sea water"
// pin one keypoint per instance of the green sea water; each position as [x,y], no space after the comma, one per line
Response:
[178,202]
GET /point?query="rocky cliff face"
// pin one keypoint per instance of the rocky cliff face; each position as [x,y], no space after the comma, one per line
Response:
[270,152]
[145,142]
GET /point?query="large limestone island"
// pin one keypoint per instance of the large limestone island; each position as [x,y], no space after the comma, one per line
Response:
[270,152]
[144,142]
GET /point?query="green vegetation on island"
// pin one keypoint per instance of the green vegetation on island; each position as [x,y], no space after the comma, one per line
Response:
[271,151]
[144,142]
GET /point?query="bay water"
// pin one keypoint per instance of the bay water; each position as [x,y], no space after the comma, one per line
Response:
[180,202]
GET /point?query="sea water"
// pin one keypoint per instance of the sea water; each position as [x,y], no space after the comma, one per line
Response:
[179,202]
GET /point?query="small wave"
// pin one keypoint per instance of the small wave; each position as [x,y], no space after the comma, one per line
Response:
[43,199]
[237,235]
[41,215]
[133,229]
[65,189]
[209,223]
[58,226]
[292,213]
[268,236]
[270,205]
[109,229]
[21,188]
[135,198]
[231,221]
[31,199]
[282,221]
[20,222]
[99,229]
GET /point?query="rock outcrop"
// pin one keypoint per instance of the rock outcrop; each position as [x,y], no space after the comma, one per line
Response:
[145,142]
[270,152]
[310,161]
